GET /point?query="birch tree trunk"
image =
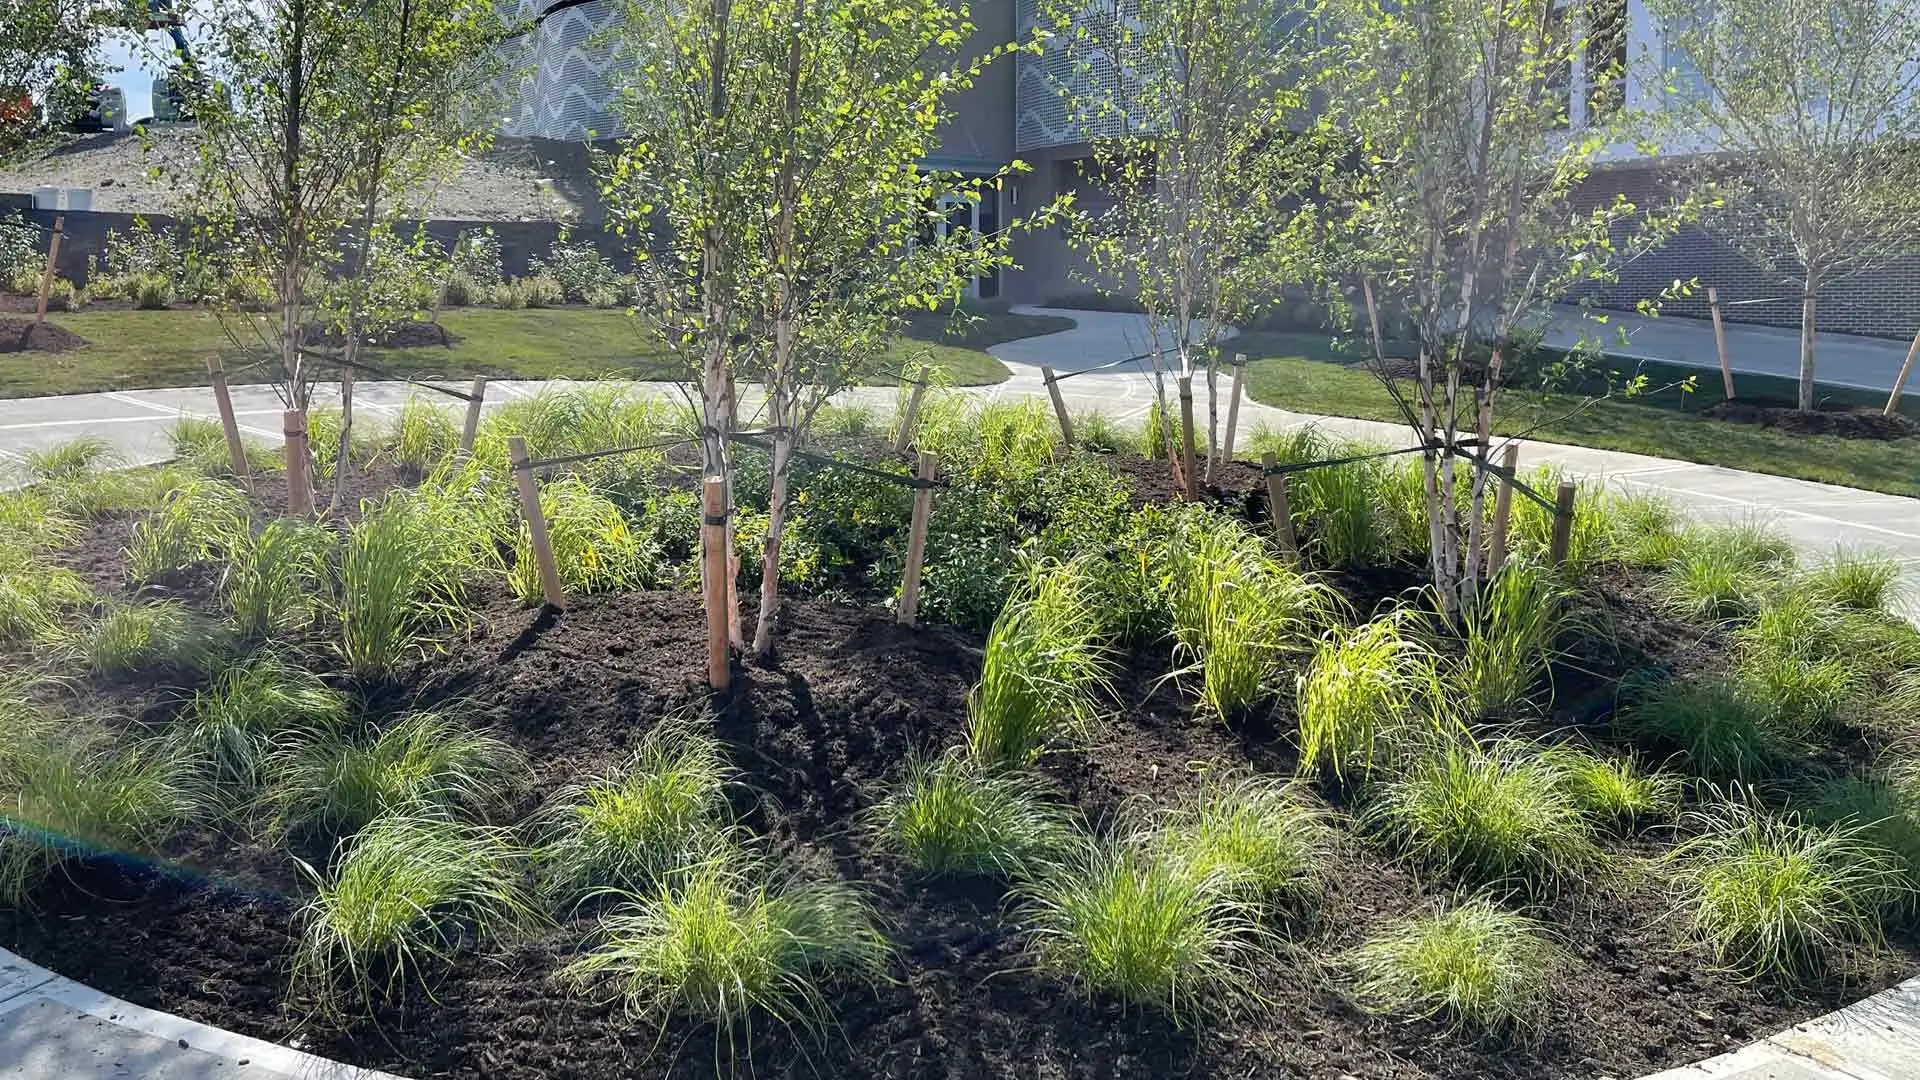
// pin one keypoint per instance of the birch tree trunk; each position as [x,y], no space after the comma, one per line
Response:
[1809,304]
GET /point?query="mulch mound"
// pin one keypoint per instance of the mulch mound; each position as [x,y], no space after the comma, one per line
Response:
[406,335]
[20,335]
[1844,423]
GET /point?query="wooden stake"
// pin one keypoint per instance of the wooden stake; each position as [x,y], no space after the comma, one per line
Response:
[1233,403]
[735,632]
[713,555]
[911,414]
[536,523]
[1280,507]
[236,450]
[1192,478]
[293,424]
[46,279]
[1562,524]
[477,401]
[1893,399]
[917,539]
[1502,509]
[1720,342]
[1059,407]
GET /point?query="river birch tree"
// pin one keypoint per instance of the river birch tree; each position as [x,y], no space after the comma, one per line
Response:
[1806,112]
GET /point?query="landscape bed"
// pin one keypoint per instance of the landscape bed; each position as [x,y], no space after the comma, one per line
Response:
[1558,784]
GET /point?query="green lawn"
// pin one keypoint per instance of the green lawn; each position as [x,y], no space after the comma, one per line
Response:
[1302,372]
[129,350]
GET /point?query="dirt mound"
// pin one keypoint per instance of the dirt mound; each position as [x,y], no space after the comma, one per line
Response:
[407,335]
[20,335]
[1845,423]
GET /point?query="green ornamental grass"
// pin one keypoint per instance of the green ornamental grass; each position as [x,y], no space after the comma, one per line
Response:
[1857,579]
[253,709]
[127,639]
[201,520]
[950,816]
[1510,638]
[1474,965]
[426,762]
[38,601]
[595,547]
[277,579]
[70,460]
[1616,789]
[1774,896]
[1045,669]
[1258,836]
[1370,695]
[1718,726]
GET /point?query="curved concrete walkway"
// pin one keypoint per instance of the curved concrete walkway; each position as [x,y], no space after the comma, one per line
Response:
[52,1028]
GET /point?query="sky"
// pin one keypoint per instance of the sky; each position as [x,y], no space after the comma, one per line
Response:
[131,69]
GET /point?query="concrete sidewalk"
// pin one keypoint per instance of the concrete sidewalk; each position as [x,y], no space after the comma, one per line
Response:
[1860,363]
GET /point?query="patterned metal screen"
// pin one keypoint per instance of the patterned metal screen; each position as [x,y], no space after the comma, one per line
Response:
[566,90]
[1042,118]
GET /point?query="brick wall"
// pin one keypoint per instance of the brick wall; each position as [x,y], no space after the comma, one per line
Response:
[1883,302]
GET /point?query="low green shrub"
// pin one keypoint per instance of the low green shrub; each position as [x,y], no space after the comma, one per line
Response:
[1501,813]
[246,717]
[1371,694]
[1045,669]
[159,637]
[644,825]
[952,817]
[1473,965]
[424,763]
[408,889]
[1778,897]
[731,943]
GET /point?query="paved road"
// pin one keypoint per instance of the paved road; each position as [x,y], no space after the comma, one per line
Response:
[1863,363]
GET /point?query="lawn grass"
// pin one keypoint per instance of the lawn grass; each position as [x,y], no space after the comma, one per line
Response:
[134,350]
[1305,373]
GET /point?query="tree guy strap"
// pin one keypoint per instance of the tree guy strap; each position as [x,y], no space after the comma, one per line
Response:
[753,440]
[383,373]
[591,455]
[1102,367]
[1463,444]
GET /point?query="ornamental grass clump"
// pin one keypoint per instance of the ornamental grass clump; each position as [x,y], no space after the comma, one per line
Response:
[643,825]
[1510,638]
[1720,729]
[1474,966]
[1045,669]
[39,602]
[252,712]
[397,580]
[202,520]
[1166,932]
[1371,694]
[1861,579]
[1616,789]
[161,637]
[1501,813]
[1237,610]
[1724,572]
[732,942]
[1774,896]
[404,892]
[952,817]
[278,579]
[1885,807]
[1258,836]
[595,548]
[70,460]
[424,763]
[424,436]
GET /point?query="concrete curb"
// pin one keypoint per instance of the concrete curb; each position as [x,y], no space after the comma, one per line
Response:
[1877,1038]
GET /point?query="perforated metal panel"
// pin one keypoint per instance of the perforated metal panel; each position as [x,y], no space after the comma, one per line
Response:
[566,90]
[1042,118]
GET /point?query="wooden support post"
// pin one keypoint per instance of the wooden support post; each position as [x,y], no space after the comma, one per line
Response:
[1502,509]
[556,596]
[1720,342]
[1279,506]
[1562,524]
[713,555]
[236,450]
[1906,369]
[293,424]
[1059,407]
[1189,475]
[476,400]
[46,279]
[1233,403]
[735,632]
[909,610]
[911,414]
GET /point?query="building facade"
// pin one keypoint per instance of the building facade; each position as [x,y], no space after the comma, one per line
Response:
[1017,112]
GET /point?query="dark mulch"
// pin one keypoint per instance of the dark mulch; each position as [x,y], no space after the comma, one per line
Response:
[412,334]
[21,335]
[1846,423]
[818,734]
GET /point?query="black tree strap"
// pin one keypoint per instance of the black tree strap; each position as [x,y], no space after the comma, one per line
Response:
[591,455]
[1063,376]
[383,373]
[755,440]
[1435,446]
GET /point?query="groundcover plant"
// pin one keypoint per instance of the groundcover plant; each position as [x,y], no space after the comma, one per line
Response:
[1146,792]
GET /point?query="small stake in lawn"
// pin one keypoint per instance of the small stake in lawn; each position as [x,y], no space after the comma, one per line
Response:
[1059,406]
[536,523]
[1191,479]
[1233,404]
[299,483]
[1562,524]
[46,279]
[477,400]
[236,450]
[713,560]
[917,540]
[1720,341]
[911,414]
[1279,507]
[1503,509]
[1899,383]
